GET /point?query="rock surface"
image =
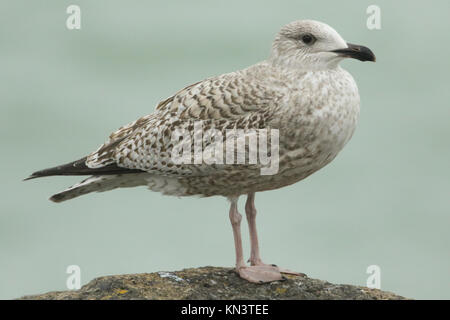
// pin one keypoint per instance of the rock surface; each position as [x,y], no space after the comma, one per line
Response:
[211,283]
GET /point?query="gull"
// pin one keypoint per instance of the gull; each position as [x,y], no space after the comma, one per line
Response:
[300,91]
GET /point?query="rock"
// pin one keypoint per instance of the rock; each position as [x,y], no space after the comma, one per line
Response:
[211,283]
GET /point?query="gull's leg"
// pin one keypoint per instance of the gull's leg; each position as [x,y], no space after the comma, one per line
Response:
[250,211]
[258,274]
[255,258]
[235,218]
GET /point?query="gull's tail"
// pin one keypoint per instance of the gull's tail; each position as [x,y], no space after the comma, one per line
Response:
[79,168]
[100,184]
[102,179]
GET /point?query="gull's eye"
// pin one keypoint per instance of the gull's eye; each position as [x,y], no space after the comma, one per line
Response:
[308,39]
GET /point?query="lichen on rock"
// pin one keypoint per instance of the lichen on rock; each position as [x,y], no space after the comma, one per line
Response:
[211,283]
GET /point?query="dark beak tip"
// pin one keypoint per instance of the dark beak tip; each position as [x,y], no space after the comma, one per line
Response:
[370,58]
[370,54]
[373,59]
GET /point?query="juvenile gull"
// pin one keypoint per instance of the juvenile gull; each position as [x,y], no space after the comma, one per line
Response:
[300,90]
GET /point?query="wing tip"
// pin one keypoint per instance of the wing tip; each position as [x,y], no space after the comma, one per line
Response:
[57,198]
[32,176]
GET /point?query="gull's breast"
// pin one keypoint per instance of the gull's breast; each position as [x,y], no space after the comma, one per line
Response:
[317,122]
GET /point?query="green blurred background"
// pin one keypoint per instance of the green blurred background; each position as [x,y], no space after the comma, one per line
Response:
[385,200]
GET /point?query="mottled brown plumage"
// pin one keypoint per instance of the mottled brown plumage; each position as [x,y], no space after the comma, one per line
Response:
[300,93]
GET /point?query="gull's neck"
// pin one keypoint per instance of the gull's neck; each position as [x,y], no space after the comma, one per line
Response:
[296,64]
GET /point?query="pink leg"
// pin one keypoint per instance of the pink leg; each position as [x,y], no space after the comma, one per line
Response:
[255,258]
[235,218]
[250,211]
[258,274]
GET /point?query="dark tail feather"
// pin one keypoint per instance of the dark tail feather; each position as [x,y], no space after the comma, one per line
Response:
[79,168]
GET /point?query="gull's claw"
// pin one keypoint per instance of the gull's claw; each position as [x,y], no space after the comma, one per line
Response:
[287,271]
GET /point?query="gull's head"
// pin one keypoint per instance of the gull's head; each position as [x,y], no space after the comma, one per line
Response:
[313,45]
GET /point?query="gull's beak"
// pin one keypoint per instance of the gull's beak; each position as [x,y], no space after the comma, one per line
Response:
[357,52]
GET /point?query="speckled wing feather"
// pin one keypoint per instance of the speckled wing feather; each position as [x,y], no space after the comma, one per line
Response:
[242,100]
